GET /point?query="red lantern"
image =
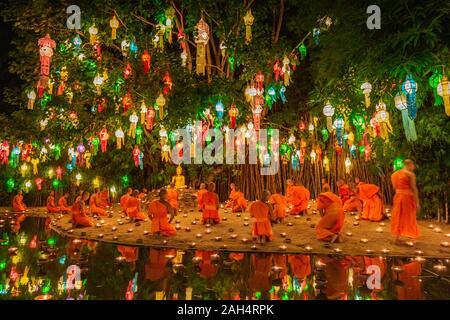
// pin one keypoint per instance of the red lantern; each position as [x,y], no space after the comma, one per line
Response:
[103,136]
[59,173]
[259,78]
[46,46]
[150,118]
[128,71]
[233,113]
[38,182]
[136,153]
[146,60]
[127,102]
[277,70]
[167,81]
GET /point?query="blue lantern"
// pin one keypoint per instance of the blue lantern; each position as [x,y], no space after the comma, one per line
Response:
[409,88]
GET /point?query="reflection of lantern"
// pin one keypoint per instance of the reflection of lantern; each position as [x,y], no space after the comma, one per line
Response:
[248,21]
[160,102]
[408,123]
[119,138]
[201,40]
[409,88]
[443,89]
[367,89]
[328,111]
[114,24]
[133,120]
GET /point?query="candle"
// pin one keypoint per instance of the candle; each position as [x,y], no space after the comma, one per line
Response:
[447,235]
[244,240]
[192,245]
[224,219]
[356,223]
[238,215]
[130,230]
[207,225]
[287,240]
[379,229]
[282,247]
[420,259]
[224,246]
[246,219]
[208,231]
[246,224]
[382,224]
[169,256]
[70,231]
[357,218]
[439,267]
[114,228]
[199,235]
[121,223]
[308,248]
[349,234]
[185,215]
[337,250]
[102,221]
[100,235]
[120,259]
[283,234]
[187,229]
[177,226]
[385,251]
[115,238]
[197,259]
[146,232]
[437,230]
[369,251]
[364,240]
[194,222]
[297,217]
[218,238]
[409,243]
[290,224]
[445,244]
[277,269]
[397,269]
[233,236]
[76,241]
[164,242]
[98,225]
[254,247]
[431,226]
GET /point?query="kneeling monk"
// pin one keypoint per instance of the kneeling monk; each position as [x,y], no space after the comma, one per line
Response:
[134,207]
[51,206]
[262,212]
[200,194]
[210,206]
[372,204]
[103,199]
[172,196]
[240,204]
[344,190]
[79,212]
[62,202]
[280,203]
[93,204]
[332,221]
[18,204]
[158,211]
[232,198]
[297,197]
[353,203]
[124,200]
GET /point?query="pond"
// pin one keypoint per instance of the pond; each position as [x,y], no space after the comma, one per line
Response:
[36,263]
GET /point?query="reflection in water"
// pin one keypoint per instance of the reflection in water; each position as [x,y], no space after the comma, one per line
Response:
[36,263]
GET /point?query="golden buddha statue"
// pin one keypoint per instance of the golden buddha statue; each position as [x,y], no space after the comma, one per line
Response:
[179,180]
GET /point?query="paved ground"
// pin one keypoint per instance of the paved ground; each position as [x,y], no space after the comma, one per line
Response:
[296,235]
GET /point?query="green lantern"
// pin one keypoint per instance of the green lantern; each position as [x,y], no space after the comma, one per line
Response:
[303,51]
[125,181]
[398,163]
[10,184]
[95,143]
[56,183]
[325,134]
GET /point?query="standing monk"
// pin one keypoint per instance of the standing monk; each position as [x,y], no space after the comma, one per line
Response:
[262,212]
[172,197]
[210,207]
[372,204]
[96,210]
[18,204]
[240,204]
[200,194]
[51,206]
[134,207]
[103,199]
[158,211]
[280,203]
[330,226]
[62,202]
[232,198]
[353,203]
[79,212]
[406,203]
[344,190]
[297,197]
[124,199]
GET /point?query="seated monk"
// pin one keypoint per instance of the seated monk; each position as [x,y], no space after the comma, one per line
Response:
[62,202]
[79,212]
[124,200]
[134,207]
[262,212]
[280,205]
[232,198]
[353,204]
[158,211]
[200,194]
[343,190]
[297,197]
[18,204]
[325,185]
[332,221]
[143,194]
[240,204]
[210,204]
[93,204]
[103,199]
[51,206]
[172,197]
[372,205]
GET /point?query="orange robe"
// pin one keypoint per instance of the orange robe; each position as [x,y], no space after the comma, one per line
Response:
[298,198]
[210,207]
[411,288]
[403,220]
[172,197]
[51,206]
[155,267]
[18,204]
[336,272]
[200,194]
[261,226]
[240,204]
[300,265]
[62,202]
[103,200]
[129,253]
[280,205]
[95,209]
[344,192]
[232,199]
[79,215]
[123,202]
[333,219]
[134,209]
[372,204]
[158,212]
[207,268]
[261,266]
[353,203]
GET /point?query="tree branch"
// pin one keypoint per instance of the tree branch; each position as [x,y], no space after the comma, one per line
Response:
[280,21]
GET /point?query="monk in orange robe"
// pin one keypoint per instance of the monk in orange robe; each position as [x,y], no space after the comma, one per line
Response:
[93,204]
[260,268]
[207,268]
[262,212]
[200,194]
[232,198]
[300,265]
[158,211]
[280,205]
[143,194]
[332,221]
[51,206]
[373,209]
[210,207]
[155,267]
[103,199]
[124,200]
[406,203]
[325,185]
[62,202]
[353,203]
[172,196]
[134,207]
[18,204]
[79,212]
[410,288]
[130,254]
[343,190]
[297,198]
[240,204]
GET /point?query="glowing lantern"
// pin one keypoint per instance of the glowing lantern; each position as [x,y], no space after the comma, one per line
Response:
[313,156]
[183,57]
[10,184]
[326,164]
[104,136]
[219,110]
[408,123]
[398,163]
[146,60]
[133,120]
[24,169]
[248,21]
[114,24]
[77,41]
[259,78]
[128,71]
[150,118]
[31,98]
[409,88]
[56,183]
[338,124]
[328,111]
[286,71]
[46,46]
[127,102]
[348,165]
[233,113]
[93,31]
[201,40]
[367,89]
[139,133]
[78,179]
[382,117]
[136,153]
[443,89]
[161,102]
[291,139]
[98,82]
[134,49]
[38,182]
[257,116]
[119,138]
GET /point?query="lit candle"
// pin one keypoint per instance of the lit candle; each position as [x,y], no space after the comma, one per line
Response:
[369,251]
[187,229]
[349,234]
[254,247]
[246,224]
[409,243]
[444,244]
[115,238]
[218,238]
[233,236]
[114,228]
[364,240]
[437,230]
[130,230]
[146,232]
[224,219]
[356,223]
[283,234]
[439,267]
[177,226]
[337,250]
[379,229]
[208,231]
[282,247]
[244,240]
[431,226]
[308,248]
[385,251]
[100,235]
[290,224]
[199,235]
[420,259]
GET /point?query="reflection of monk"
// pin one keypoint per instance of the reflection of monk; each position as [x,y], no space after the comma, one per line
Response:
[79,212]
[210,206]
[63,205]
[410,288]
[297,197]
[207,268]
[93,204]
[200,194]
[155,267]
[280,205]
[300,265]
[18,204]
[329,227]
[172,196]
[372,204]
[336,272]
[261,265]
[129,253]
[158,211]
[134,207]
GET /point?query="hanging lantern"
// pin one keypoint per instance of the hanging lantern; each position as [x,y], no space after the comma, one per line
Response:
[183,57]
[291,139]
[120,137]
[338,124]
[316,34]
[93,31]
[358,122]
[127,102]
[170,12]
[125,47]
[128,71]
[294,161]
[326,164]
[259,78]
[133,121]
[201,40]
[136,153]
[139,133]
[408,123]
[4,152]
[46,46]
[31,98]
[434,81]
[104,136]
[303,51]
[443,89]
[23,169]
[150,118]
[38,182]
[167,82]
[282,96]
[233,113]
[78,178]
[277,70]
[144,110]
[382,117]
[77,41]
[98,82]
[114,24]
[313,156]
[286,69]
[257,116]
[146,60]
[59,172]
[248,21]
[409,88]
[348,165]
[161,102]
[328,111]
[219,110]
[366,87]
[133,49]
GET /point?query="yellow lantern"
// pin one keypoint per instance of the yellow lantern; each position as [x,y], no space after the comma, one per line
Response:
[144,111]
[326,164]
[348,165]
[119,138]
[161,102]
[114,24]
[93,31]
[201,40]
[367,89]
[133,120]
[443,89]
[248,21]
